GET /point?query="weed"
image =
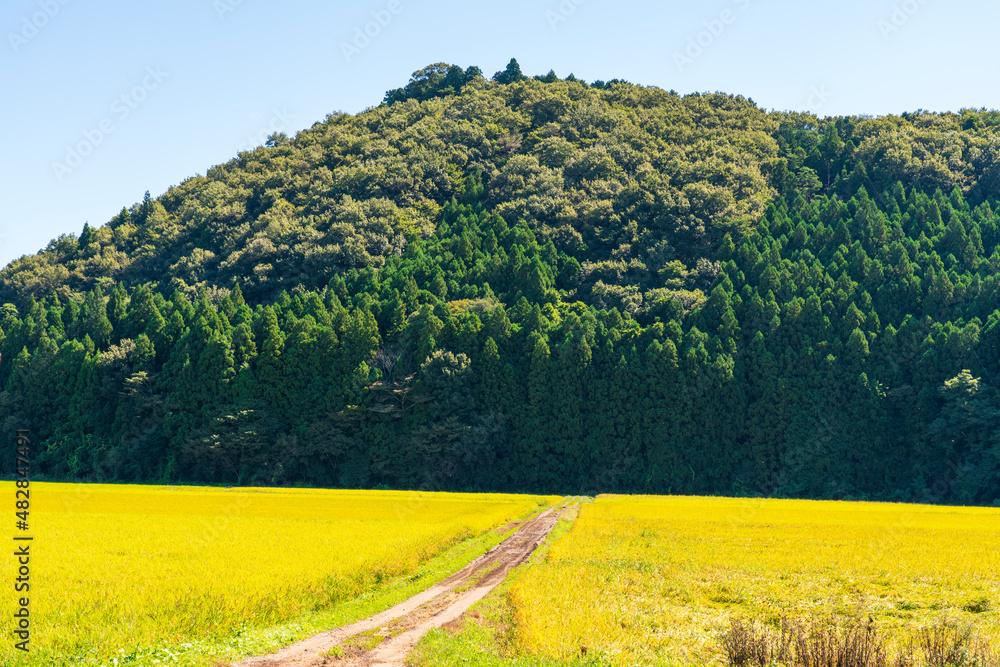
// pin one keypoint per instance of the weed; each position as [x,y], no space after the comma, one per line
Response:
[949,644]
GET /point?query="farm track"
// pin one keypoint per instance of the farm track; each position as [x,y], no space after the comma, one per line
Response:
[385,639]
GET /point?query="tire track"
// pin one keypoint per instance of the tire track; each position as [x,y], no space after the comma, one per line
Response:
[385,639]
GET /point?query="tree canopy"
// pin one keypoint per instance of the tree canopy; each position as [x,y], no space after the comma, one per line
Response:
[537,284]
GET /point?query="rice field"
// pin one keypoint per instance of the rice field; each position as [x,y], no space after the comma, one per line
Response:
[656,580]
[116,568]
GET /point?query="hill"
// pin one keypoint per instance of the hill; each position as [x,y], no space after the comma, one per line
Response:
[537,284]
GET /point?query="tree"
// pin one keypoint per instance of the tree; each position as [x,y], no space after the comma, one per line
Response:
[144,210]
[512,74]
[268,371]
[965,438]
[86,236]
[117,305]
[96,323]
[437,80]
[144,354]
[233,447]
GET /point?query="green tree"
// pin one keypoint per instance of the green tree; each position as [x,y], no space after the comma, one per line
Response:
[512,74]
[96,323]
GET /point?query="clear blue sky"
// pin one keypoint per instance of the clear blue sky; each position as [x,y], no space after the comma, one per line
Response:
[155,92]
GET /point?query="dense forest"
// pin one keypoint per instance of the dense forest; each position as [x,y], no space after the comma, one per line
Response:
[537,284]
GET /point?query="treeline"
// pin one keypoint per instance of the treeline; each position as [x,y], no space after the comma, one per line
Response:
[537,285]
[837,355]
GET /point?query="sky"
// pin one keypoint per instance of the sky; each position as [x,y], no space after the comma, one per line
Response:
[106,99]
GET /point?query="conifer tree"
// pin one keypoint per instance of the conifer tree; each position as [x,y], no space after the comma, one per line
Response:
[96,323]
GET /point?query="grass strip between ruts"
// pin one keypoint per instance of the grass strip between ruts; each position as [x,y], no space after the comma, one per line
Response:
[485,637]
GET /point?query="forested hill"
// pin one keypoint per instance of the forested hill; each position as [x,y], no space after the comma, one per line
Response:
[537,284]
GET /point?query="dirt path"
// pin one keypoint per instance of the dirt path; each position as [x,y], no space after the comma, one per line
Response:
[386,639]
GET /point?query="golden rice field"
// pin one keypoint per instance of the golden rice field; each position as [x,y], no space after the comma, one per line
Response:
[120,567]
[654,581]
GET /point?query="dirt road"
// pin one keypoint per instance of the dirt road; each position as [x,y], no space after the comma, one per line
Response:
[387,638]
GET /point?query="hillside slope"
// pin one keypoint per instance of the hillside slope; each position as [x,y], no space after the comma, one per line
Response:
[537,284]
[626,174]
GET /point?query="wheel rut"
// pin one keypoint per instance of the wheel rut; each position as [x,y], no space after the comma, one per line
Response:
[386,639]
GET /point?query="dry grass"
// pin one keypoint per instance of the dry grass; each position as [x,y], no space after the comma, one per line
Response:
[852,643]
[951,645]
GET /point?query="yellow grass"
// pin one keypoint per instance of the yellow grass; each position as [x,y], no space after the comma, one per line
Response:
[120,567]
[654,580]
